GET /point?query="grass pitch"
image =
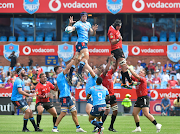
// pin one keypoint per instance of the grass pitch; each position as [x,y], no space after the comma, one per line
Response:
[123,124]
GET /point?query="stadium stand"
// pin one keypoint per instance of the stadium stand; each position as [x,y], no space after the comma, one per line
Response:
[144,39]
[48,38]
[12,38]
[74,38]
[101,39]
[154,39]
[21,38]
[92,39]
[39,38]
[30,38]
[3,38]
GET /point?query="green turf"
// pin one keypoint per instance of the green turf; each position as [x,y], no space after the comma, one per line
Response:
[123,124]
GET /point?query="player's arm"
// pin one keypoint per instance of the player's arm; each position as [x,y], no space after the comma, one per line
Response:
[116,66]
[89,69]
[93,30]
[108,65]
[24,93]
[134,74]
[113,40]
[107,97]
[88,96]
[66,70]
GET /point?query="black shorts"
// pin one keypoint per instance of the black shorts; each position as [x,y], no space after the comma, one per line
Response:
[46,105]
[142,102]
[118,53]
[112,100]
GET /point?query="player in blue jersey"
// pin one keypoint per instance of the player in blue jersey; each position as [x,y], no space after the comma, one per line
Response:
[99,94]
[82,54]
[18,101]
[65,97]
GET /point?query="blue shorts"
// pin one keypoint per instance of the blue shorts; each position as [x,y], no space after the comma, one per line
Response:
[80,46]
[98,110]
[90,101]
[21,104]
[66,101]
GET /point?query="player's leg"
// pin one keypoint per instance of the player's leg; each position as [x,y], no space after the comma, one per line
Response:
[40,110]
[135,113]
[53,112]
[89,106]
[106,111]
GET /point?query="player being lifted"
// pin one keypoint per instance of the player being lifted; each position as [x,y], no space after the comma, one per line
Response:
[42,100]
[18,101]
[115,39]
[142,101]
[82,27]
[98,93]
[108,83]
[65,97]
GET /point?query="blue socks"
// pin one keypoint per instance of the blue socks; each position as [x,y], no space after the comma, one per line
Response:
[71,71]
[81,67]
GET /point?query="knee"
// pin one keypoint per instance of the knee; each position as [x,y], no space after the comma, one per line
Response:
[28,111]
[40,112]
[133,114]
[54,114]
[146,114]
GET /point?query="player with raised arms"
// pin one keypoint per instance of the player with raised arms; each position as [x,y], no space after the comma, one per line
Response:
[142,101]
[42,100]
[65,97]
[18,101]
[98,93]
[115,39]
[82,54]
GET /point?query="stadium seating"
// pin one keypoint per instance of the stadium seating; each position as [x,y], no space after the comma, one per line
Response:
[65,38]
[12,38]
[49,68]
[6,68]
[101,39]
[44,69]
[39,38]
[27,68]
[21,38]
[154,39]
[170,77]
[48,38]
[163,39]
[1,67]
[144,39]
[163,33]
[30,38]
[172,39]
[178,39]
[164,84]
[49,34]
[92,39]
[3,38]
[74,38]
[40,34]
[65,34]
[172,34]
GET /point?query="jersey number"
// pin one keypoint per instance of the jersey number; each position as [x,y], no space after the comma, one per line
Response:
[100,96]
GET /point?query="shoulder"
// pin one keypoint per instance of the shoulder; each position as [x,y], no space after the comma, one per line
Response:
[88,23]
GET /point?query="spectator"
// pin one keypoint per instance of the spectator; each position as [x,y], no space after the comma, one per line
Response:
[30,62]
[178,77]
[27,81]
[13,59]
[17,66]
[156,80]
[34,82]
[61,63]
[173,82]
[159,67]
[177,104]
[118,78]
[173,71]
[143,64]
[51,72]
[177,65]
[127,103]
[151,67]
[105,63]
[168,66]
[149,85]
[40,70]
[165,103]
[130,66]
[2,83]
[168,86]
[138,67]
[8,84]
[149,77]
[165,76]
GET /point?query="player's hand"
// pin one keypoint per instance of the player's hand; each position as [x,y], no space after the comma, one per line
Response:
[32,95]
[111,57]
[95,27]
[71,20]
[32,91]
[120,37]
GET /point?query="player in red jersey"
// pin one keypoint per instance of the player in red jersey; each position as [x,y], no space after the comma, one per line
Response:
[42,100]
[108,83]
[142,101]
[115,39]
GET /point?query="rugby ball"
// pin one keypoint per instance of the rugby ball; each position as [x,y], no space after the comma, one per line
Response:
[68,29]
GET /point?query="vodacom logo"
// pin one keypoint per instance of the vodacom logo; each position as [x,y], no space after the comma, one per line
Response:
[138,9]
[155,94]
[55,9]
[135,50]
[81,95]
[26,50]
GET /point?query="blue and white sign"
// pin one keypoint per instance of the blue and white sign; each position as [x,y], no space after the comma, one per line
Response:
[65,51]
[114,6]
[31,6]
[173,52]
[51,60]
[9,48]
[125,50]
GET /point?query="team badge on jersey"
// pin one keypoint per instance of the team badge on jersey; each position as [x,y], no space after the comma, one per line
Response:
[173,52]
[31,6]
[8,50]
[125,50]
[114,6]
[65,51]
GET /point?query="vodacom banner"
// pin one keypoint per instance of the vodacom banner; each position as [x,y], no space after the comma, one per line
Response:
[5,92]
[120,94]
[91,6]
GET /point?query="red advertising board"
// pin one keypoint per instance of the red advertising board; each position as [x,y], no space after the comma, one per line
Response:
[156,94]
[91,6]
[5,92]
[147,50]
